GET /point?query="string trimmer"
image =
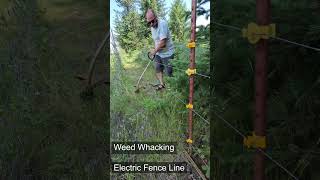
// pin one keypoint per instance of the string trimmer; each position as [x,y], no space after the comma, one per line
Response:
[138,83]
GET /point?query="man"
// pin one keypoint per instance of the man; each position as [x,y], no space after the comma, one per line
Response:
[164,49]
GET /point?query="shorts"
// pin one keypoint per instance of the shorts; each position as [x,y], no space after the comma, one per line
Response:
[163,63]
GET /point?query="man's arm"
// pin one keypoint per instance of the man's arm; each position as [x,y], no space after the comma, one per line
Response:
[161,45]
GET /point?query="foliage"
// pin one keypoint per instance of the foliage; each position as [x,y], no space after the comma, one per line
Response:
[157,5]
[128,24]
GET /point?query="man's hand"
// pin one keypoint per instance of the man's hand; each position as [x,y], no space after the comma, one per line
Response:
[151,56]
[152,52]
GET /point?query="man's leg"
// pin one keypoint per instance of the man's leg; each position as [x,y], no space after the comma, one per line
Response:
[159,69]
[168,66]
[159,76]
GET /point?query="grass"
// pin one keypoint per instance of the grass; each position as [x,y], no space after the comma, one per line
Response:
[148,115]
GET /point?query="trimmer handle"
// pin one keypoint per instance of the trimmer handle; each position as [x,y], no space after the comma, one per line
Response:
[151,58]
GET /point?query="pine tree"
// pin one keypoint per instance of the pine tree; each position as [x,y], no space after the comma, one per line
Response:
[177,21]
[161,9]
[128,25]
[158,7]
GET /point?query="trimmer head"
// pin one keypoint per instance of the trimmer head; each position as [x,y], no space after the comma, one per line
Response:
[137,90]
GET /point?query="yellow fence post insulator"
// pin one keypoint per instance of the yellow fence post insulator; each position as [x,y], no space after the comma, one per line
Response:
[191,71]
[189,141]
[254,32]
[255,141]
[189,106]
[191,45]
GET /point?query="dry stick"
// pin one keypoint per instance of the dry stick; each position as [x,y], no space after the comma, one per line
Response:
[190,160]
[93,60]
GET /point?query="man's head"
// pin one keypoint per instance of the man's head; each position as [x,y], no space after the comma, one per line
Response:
[151,18]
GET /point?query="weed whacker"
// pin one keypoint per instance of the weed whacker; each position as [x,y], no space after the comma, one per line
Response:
[138,83]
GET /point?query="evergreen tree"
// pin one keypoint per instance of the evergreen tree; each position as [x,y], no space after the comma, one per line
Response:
[161,9]
[158,7]
[177,21]
[128,25]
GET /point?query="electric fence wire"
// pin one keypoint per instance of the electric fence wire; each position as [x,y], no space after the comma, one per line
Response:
[275,38]
[199,74]
[230,125]
[295,43]
[203,75]
[201,117]
[227,26]
[243,136]
[262,151]
[278,164]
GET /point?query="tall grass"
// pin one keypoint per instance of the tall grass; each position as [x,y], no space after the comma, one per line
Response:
[152,115]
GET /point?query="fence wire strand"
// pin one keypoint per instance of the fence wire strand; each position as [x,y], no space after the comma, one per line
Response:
[203,75]
[275,38]
[201,117]
[262,151]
